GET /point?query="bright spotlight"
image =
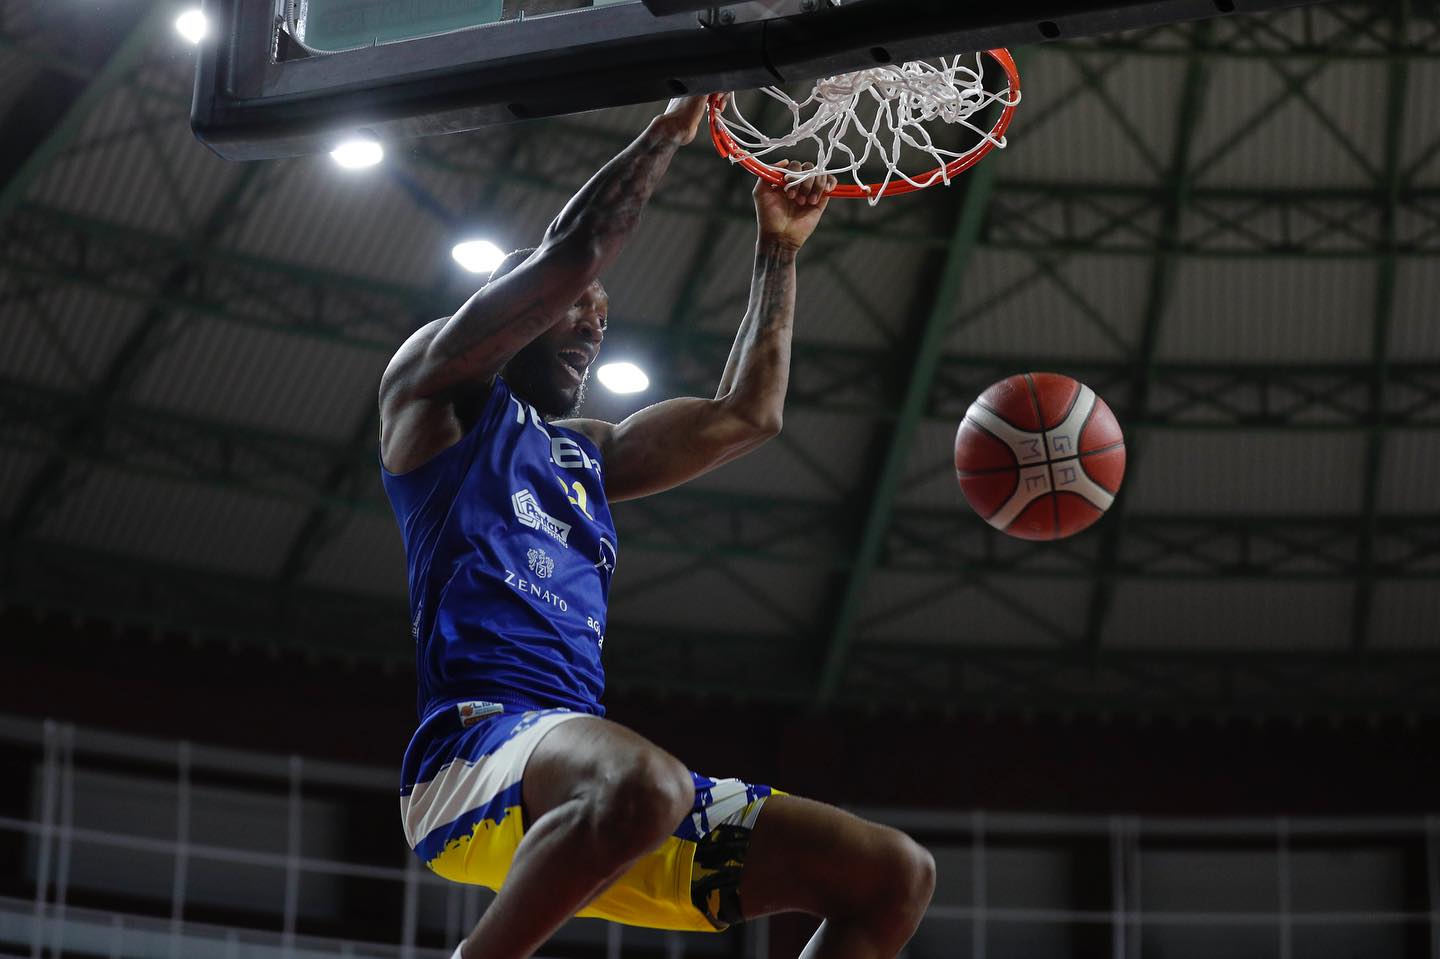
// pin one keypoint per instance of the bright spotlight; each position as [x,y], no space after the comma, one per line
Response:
[357,153]
[478,256]
[623,377]
[191,25]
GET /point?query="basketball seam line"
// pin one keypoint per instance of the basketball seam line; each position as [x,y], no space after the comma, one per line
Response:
[1007,469]
[1079,389]
[1049,468]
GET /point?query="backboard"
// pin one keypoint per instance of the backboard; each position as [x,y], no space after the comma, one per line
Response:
[288,77]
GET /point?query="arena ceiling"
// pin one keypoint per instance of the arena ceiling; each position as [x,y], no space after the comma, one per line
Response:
[1229,229]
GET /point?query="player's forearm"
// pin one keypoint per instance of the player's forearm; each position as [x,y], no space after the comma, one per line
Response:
[758,372]
[601,217]
[501,318]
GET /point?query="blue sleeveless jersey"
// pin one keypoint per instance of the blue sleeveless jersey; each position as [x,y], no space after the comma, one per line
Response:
[510,548]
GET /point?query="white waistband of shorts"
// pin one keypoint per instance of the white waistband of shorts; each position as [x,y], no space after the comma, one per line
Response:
[461,786]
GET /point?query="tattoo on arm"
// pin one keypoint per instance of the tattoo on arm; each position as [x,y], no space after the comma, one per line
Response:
[758,370]
[608,206]
[589,232]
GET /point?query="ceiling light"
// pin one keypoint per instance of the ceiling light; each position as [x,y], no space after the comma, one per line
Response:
[623,377]
[478,256]
[357,153]
[191,25]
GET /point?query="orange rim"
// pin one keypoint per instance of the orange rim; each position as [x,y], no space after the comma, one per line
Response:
[728,148]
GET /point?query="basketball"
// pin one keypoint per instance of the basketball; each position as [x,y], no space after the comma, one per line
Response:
[1039,456]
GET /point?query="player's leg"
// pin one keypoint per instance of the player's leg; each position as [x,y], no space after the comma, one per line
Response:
[869,883]
[597,797]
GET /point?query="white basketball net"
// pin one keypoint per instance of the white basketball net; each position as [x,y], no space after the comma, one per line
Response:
[905,97]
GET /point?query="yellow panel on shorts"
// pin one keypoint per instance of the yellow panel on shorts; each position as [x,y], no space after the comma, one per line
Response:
[654,892]
[483,857]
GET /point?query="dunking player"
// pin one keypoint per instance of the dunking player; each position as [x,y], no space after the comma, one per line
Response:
[513,781]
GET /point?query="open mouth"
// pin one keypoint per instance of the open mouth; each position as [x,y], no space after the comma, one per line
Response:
[576,361]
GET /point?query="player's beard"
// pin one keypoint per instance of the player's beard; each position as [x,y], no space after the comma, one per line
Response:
[530,374]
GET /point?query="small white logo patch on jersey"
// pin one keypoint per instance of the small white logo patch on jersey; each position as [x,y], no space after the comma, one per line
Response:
[528,511]
[472,712]
[540,563]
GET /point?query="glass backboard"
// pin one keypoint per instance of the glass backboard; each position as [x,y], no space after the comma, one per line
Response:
[287,77]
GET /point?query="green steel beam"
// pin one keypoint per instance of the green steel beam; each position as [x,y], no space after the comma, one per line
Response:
[928,349]
[116,70]
[1396,94]
[346,626]
[49,487]
[362,313]
[1190,107]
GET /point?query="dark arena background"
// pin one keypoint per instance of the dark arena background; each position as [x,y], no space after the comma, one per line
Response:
[1208,726]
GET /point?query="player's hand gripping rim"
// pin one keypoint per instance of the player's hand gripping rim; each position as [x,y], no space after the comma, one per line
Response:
[682,116]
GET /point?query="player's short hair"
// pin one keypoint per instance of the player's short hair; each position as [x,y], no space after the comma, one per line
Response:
[512,259]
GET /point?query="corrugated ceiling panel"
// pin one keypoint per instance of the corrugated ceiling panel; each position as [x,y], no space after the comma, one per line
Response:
[928,479]
[1251,616]
[833,444]
[1252,134]
[175,522]
[1414,330]
[16,72]
[367,556]
[647,279]
[751,597]
[269,381]
[1064,131]
[519,218]
[1290,310]
[358,222]
[865,296]
[817,471]
[1198,471]
[1404,616]
[63,337]
[136,162]
[945,609]
[1410,464]
[1091,308]
[1420,139]
[17,470]
[723,294]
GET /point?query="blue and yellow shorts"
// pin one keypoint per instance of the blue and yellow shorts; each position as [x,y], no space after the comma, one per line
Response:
[461,807]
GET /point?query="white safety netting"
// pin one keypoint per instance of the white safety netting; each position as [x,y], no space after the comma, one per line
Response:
[876,114]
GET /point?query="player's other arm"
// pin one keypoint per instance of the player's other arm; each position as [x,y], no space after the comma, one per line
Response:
[669,443]
[470,347]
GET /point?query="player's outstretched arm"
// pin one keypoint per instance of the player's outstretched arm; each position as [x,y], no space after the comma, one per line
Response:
[669,443]
[502,317]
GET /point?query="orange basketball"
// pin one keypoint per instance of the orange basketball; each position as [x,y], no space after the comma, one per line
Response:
[1039,456]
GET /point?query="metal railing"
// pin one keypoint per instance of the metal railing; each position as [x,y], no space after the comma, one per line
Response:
[975,908]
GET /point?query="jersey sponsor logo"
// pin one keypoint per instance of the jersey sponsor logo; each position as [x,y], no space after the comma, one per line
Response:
[564,451]
[606,563]
[476,710]
[536,420]
[540,563]
[536,591]
[529,513]
[567,453]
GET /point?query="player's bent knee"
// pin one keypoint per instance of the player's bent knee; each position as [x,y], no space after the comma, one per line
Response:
[641,802]
[919,876]
[902,879]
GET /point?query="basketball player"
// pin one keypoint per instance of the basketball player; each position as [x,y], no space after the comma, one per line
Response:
[513,780]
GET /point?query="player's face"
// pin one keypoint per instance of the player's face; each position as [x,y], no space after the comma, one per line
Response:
[551,372]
